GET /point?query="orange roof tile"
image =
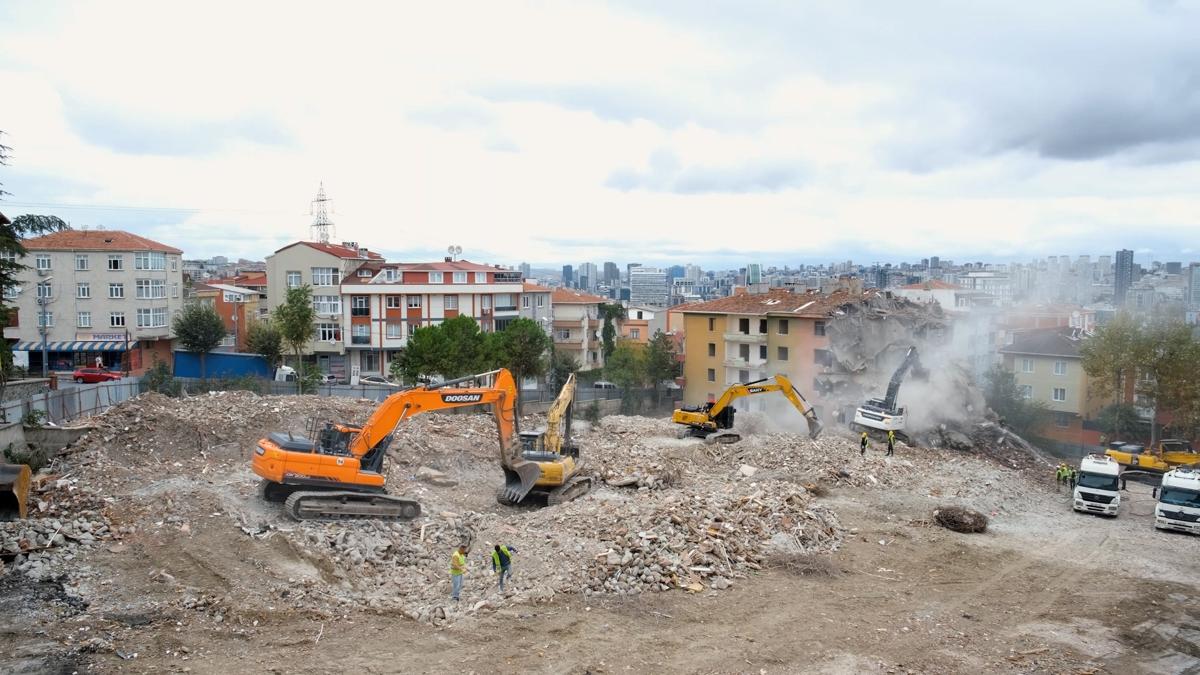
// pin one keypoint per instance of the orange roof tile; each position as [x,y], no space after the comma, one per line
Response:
[566,296]
[534,288]
[778,301]
[96,240]
[338,250]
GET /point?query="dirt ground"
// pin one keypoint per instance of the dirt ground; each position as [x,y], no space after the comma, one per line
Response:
[1043,590]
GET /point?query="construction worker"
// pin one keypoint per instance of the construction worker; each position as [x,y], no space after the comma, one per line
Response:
[891,442]
[1072,476]
[458,567]
[502,562]
[862,445]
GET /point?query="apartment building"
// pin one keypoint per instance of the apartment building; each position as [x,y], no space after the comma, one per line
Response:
[537,304]
[577,326]
[649,286]
[95,294]
[383,303]
[1049,368]
[237,307]
[321,266]
[748,337]
[642,322]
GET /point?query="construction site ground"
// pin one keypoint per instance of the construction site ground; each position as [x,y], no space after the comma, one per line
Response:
[174,564]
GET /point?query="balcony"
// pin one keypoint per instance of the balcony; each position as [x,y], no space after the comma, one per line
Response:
[506,308]
[360,311]
[745,364]
[752,338]
[360,339]
[508,277]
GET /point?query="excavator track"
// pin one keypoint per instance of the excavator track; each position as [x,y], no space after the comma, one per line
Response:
[349,505]
[573,489]
[724,437]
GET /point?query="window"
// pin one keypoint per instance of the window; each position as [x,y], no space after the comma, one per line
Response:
[460,277]
[323,276]
[743,376]
[1060,367]
[1062,420]
[783,326]
[364,273]
[115,264]
[360,334]
[818,328]
[762,326]
[395,329]
[762,352]
[783,353]
[744,326]
[370,361]
[10,293]
[744,352]
[293,279]
[43,261]
[435,277]
[148,289]
[116,291]
[329,332]
[116,319]
[83,290]
[639,314]
[451,302]
[635,333]
[1060,394]
[563,334]
[327,304]
[8,256]
[1026,365]
[83,319]
[822,357]
[230,340]
[712,349]
[712,323]
[712,375]
[149,260]
[46,319]
[359,305]
[393,302]
[174,264]
[541,300]
[391,274]
[485,302]
[175,290]
[45,290]
[1026,391]
[81,262]
[481,277]
[524,302]
[152,318]
[227,297]
[413,301]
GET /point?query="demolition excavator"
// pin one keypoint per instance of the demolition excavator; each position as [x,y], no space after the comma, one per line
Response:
[554,452]
[713,421]
[339,473]
[882,414]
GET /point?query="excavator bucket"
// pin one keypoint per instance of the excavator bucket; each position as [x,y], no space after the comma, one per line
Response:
[14,490]
[814,426]
[518,481]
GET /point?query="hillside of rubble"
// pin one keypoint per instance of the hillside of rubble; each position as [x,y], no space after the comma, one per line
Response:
[148,546]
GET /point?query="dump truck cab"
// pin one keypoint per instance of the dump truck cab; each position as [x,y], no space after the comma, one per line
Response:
[1178,506]
[1096,490]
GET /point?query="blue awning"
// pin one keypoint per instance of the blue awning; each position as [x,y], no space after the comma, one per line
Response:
[75,346]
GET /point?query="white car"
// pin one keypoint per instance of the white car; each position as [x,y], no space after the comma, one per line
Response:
[377,380]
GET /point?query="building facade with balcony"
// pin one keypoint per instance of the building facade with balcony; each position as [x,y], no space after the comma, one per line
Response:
[321,266]
[95,294]
[383,303]
[1048,367]
[577,326]
[642,322]
[237,307]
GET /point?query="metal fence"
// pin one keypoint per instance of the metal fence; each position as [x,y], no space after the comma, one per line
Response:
[64,405]
[373,392]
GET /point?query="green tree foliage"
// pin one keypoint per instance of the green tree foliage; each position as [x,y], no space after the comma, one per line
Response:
[562,364]
[264,338]
[627,366]
[661,364]
[1110,357]
[1004,397]
[610,312]
[1120,421]
[463,348]
[199,330]
[294,318]
[521,347]
[1167,357]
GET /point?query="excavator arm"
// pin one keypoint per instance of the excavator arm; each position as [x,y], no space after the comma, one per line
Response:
[715,417]
[558,418]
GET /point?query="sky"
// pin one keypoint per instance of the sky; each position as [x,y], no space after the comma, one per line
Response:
[717,133]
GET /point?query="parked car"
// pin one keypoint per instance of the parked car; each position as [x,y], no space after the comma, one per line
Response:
[93,375]
[328,378]
[601,384]
[376,379]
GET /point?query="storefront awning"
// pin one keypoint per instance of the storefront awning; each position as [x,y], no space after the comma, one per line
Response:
[76,346]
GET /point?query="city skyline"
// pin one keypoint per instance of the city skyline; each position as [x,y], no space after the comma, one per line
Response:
[701,140]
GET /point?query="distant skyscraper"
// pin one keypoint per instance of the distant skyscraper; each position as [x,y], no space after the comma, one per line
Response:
[1123,276]
[524,267]
[629,268]
[612,273]
[1174,268]
[568,276]
[692,272]
[648,286]
[674,272]
[588,276]
[1192,290]
[934,263]
[754,273]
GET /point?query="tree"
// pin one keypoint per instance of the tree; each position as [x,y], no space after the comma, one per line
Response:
[264,338]
[1110,356]
[661,363]
[521,347]
[627,367]
[199,329]
[294,318]
[562,364]
[1004,396]
[1119,420]
[610,312]
[1166,358]
[463,349]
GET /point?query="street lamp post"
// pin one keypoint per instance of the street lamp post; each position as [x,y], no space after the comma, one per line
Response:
[43,300]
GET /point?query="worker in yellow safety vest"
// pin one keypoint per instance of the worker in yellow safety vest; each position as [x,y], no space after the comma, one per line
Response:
[502,562]
[458,567]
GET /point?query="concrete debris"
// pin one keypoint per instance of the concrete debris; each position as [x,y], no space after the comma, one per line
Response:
[435,477]
[960,519]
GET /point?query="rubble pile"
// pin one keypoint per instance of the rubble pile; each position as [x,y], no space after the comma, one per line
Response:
[960,519]
[63,519]
[629,452]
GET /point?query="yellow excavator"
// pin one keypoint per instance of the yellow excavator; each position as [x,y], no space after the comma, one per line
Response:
[713,421]
[1170,453]
[554,452]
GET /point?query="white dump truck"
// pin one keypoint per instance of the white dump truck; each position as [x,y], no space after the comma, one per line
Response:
[1096,489]
[1178,506]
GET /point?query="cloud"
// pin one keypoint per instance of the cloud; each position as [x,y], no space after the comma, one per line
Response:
[112,129]
[666,174]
